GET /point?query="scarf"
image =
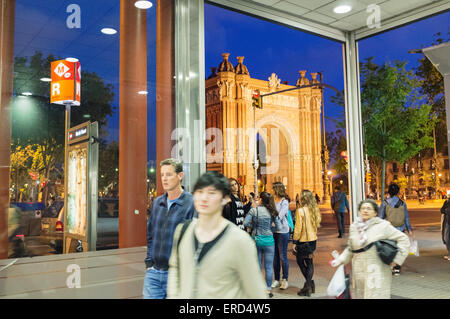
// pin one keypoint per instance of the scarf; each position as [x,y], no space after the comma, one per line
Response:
[362,226]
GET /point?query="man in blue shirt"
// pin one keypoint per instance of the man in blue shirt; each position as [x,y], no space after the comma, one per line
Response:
[168,210]
[339,203]
[394,201]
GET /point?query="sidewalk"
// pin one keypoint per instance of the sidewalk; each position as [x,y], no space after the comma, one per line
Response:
[432,203]
[119,273]
[423,277]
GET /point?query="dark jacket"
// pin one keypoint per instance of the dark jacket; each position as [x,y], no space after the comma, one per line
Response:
[235,211]
[161,227]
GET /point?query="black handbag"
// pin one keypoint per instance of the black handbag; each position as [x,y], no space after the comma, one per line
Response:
[386,249]
[304,248]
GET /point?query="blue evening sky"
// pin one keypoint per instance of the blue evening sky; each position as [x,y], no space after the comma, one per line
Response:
[267,47]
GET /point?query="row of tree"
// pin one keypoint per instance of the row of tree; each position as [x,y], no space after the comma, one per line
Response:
[403,115]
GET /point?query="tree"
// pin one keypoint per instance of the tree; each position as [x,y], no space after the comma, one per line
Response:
[37,122]
[395,126]
[108,167]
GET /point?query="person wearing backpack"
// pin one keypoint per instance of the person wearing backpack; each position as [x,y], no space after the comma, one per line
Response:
[339,203]
[394,210]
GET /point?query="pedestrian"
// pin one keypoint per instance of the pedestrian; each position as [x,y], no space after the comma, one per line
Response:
[212,257]
[394,210]
[168,210]
[445,226]
[339,203]
[308,220]
[317,199]
[281,237]
[235,210]
[371,276]
[263,221]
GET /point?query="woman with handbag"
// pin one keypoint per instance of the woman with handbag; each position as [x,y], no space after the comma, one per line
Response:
[371,269]
[307,222]
[263,221]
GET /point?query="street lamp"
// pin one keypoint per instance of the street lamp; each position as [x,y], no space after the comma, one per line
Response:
[325,154]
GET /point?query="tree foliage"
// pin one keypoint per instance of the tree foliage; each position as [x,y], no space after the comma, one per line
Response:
[396,126]
[39,125]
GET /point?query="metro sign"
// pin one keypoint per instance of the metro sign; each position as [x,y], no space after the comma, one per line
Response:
[66,83]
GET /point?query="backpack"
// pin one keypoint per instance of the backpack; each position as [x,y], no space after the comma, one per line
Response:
[338,203]
[395,215]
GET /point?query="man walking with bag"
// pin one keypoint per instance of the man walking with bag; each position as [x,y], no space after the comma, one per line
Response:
[168,210]
[339,203]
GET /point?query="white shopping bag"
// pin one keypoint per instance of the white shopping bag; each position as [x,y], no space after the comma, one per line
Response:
[337,283]
[413,247]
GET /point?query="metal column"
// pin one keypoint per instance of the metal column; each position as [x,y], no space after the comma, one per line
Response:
[190,89]
[353,123]
[7,10]
[133,126]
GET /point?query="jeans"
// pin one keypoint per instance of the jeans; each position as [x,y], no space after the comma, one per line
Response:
[340,222]
[281,244]
[268,252]
[155,284]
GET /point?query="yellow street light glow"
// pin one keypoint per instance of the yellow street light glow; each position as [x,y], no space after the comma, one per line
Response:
[143,4]
[109,31]
[342,9]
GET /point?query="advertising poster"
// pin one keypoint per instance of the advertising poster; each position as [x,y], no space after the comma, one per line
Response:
[77,191]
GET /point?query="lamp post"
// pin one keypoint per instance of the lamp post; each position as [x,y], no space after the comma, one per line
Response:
[325,154]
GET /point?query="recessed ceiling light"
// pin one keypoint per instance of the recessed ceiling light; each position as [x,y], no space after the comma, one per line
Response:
[143,4]
[46,79]
[109,31]
[72,59]
[143,92]
[342,8]
[27,93]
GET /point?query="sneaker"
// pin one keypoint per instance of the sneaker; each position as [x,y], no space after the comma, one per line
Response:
[284,284]
[269,293]
[447,257]
[275,284]
[396,272]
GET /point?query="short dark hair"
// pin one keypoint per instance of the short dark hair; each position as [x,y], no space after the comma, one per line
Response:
[371,202]
[337,188]
[177,164]
[393,189]
[215,179]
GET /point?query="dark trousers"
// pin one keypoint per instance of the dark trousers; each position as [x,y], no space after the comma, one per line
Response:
[307,267]
[340,222]
[306,264]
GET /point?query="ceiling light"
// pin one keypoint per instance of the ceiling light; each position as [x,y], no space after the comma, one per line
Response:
[143,92]
[143,4]
[27,93]
[72,59]
[342,8]
[109,31]
[46,79]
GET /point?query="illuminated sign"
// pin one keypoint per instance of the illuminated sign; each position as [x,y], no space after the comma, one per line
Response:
[78,133]
[66,83]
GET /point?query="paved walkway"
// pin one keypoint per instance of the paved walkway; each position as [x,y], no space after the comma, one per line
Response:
[423,277]
[118,274]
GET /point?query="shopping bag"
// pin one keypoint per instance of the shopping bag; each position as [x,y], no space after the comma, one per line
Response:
[413,247]
[337,283]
